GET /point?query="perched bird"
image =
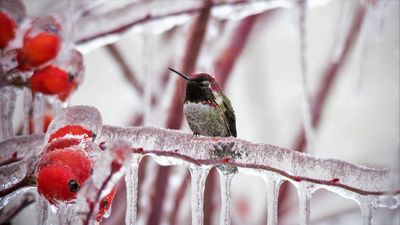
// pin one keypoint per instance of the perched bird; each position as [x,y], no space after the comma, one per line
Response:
[209,113]
[207,110]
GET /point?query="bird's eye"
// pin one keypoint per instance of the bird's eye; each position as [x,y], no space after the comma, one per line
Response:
[205,84]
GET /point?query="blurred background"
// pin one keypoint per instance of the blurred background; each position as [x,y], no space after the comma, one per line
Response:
[331,66]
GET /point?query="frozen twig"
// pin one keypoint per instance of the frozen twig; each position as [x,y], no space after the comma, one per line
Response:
[293,166]
[27,181]
[7,214]
[133,14]
[171,147]
[126,70]
[12,159]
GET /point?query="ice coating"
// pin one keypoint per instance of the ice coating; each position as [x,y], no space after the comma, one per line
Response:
[226,198]
[293,166]
[27,95]
[7,105]
[24,146]
[85,116]
[131,181]
[71,61]
[241,11]
[14,8]
[27,197]
[18,157]
[304,203]
[121,20]
[108,169]
[199,176]
[371,188]
[38,112]
[273,184]
[367,210]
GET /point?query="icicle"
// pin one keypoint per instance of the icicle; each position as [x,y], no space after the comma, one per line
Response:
[304,204]
[27,110]
[199,176]
[68,215]
[151,171]
[42,210]
[56,105]
[38,111]
[225,182]
[7,105]
[367,210]
[131,181]
[305,87]
[273,185]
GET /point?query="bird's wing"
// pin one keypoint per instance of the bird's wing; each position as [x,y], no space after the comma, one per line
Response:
[229,115]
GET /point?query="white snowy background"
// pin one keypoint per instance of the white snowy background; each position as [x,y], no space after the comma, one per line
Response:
[360,121]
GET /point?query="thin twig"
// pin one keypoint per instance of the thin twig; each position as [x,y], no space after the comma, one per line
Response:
[14,158]
[28,181]
[97,199]
[126,69]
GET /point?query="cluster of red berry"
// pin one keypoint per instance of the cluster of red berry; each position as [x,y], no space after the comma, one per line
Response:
[37,53]
[65,165]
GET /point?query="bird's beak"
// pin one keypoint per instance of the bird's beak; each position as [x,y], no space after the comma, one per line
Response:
[180,74]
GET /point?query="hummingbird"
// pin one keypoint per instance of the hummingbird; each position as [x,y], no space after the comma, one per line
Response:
[207,110]
[209,113]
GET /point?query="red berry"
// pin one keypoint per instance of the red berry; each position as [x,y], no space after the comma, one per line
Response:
[61,173]
[75,161]
[51,80]
[105,204]
[62,143]
[7,29]
[75,130]
[40,48]
[57,183]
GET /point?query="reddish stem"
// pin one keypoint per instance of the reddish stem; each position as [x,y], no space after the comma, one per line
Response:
[14,158]
[28,181]
[97,199]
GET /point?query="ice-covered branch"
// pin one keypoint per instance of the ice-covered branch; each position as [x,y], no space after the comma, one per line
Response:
[170,147]
[105,28]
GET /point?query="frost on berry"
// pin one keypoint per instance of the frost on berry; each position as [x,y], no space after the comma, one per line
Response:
[41,42]
[76,131]
[87,117]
